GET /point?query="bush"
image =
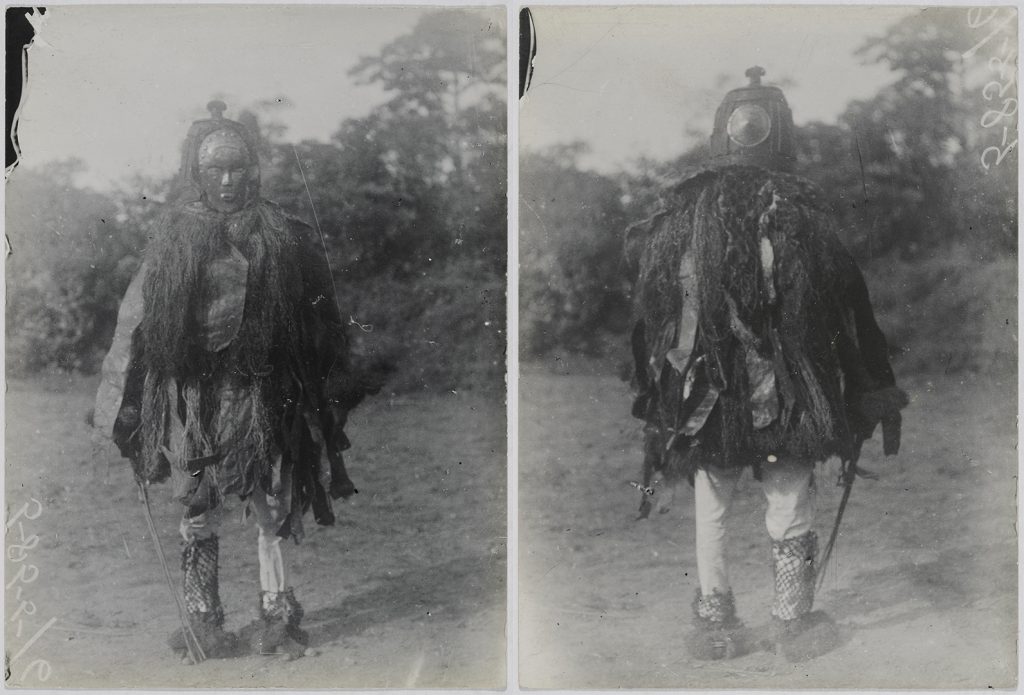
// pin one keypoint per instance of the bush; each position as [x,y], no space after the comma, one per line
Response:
[573,288]
[71,262]
[445,329]
[952,311]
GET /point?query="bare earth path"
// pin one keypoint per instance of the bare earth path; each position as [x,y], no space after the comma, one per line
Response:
[924,583]
[407,590]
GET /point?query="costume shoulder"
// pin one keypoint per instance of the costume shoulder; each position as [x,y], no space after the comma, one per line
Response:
[313,254]
[296,225]
[116,364]
[671,201]
[674,190]
[310,248]
[733,185]
[694,178]
[302,230]
[306,244]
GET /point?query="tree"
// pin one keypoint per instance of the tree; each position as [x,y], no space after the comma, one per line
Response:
[918,138]
[72,256]
[452,60]
[573,291]
[411,200]
[443,128]
[421,179]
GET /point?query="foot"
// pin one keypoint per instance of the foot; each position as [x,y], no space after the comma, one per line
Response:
[713,644]
[807,637]
[718,633]
[299,635]
[277,630]
[213,640]
[269,638]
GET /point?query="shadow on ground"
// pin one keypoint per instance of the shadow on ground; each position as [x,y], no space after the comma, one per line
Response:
[453,590]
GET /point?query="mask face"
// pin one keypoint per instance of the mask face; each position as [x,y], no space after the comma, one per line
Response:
[225,171]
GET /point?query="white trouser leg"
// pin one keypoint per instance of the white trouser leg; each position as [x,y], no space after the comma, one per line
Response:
[713,492]
[789,488]
[268,518]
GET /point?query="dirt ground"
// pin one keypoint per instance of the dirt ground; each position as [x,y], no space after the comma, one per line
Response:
[923,583]
[408,589]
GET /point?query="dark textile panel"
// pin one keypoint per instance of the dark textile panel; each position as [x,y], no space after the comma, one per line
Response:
[754,335]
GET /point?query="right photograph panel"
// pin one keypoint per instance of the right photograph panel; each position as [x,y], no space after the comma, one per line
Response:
[768,334]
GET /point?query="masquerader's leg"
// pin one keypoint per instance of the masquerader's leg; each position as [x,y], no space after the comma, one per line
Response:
[789,488]
[713,490]
[717,635]
[268,548]
[201,586]
[280,612]
[199,565]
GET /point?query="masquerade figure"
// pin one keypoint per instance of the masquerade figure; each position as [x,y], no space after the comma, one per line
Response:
[755,346]
[230,374]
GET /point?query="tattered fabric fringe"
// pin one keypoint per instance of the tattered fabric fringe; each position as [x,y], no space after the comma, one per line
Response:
[156,413]
[724,220]
[248,438]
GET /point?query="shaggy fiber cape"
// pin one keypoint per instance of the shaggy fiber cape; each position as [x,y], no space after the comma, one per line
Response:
[753,334]
[235,374]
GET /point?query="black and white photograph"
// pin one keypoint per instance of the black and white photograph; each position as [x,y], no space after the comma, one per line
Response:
[767,397]
[255,347]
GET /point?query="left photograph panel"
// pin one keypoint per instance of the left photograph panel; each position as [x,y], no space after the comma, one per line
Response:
[255,349]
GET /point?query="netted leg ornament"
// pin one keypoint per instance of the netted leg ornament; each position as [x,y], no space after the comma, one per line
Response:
[202,601]
[719,634]
[277,628]
[793,562]
[799,633]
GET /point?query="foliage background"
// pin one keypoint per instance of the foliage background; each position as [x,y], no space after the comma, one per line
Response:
[934,230]
[411,200]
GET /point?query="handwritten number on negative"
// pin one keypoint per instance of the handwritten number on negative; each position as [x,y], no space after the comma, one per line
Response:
[999,153]
[42,669]
[987,90]
[26,575]
[1004,64]
[18,552]
[23,512]
[974,21]
[993,117]
[974,17]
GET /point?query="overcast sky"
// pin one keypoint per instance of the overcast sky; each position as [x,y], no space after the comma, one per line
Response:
[118,86]
[630,81]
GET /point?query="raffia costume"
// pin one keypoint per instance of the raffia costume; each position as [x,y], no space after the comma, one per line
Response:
[755,346]
[229,373]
